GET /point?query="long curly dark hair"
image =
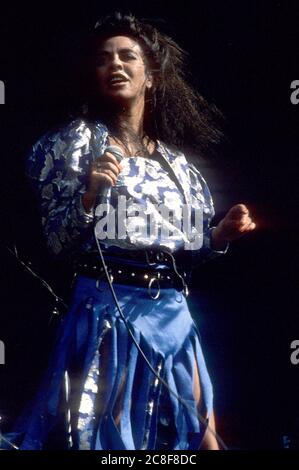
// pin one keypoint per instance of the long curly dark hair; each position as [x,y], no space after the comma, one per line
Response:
[174,113]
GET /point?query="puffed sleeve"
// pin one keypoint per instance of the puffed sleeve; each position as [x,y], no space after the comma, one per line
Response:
[57,167]
[199,189]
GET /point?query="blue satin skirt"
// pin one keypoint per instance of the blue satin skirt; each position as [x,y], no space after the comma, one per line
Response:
[99,386]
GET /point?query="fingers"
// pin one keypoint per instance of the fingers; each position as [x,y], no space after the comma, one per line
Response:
[241,208]
[245,220]
[105,174]
[238,211]
[240,214]
[107,168]
[245,223]
[252,226]
[108,157]
[237,222]
[247,226]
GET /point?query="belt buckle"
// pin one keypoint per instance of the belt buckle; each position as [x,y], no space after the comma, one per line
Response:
[149,287]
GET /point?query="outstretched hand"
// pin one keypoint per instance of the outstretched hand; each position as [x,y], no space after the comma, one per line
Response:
[236,223]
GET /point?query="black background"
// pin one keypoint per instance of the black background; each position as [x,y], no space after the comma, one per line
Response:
[243,57]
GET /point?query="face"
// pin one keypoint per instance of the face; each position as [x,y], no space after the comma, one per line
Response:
[121,70]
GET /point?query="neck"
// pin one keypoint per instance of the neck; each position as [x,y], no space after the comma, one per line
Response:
[132,121]
[129,116]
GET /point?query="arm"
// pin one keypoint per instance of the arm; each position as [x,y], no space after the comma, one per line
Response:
[212,246]
[236,223]
[67,170]
[59,181]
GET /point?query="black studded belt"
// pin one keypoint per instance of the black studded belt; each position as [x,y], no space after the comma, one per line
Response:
[121,273]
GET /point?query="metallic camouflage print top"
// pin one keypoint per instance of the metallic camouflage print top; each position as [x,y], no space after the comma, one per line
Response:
[58,166]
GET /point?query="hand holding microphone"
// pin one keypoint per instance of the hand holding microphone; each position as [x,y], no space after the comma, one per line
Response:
[103,174]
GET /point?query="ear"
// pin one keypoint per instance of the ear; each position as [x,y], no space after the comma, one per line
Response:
[149,81]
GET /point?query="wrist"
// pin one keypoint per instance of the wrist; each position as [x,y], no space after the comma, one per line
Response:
[218,243]
[88,200]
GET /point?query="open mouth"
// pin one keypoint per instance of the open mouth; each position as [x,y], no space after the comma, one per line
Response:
[120,83]
[117,80]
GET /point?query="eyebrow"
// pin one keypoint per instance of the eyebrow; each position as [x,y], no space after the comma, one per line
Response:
[125,49]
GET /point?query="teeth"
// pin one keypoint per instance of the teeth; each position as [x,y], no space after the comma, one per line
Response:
[117,79]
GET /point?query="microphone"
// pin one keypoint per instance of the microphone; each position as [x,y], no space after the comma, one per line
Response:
[116,151]
[104,191]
